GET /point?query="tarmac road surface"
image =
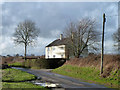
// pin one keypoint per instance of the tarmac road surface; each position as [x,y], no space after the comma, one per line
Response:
[66,82]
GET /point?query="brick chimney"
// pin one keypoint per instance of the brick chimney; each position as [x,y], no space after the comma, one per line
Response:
[61,36]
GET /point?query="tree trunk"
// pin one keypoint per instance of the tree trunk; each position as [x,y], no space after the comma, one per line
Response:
[25,51]
[78,53]
[118,47]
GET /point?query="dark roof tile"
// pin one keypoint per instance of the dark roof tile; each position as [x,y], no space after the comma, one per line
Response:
[57,42]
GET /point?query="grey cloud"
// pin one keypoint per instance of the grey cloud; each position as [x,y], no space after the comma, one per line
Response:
[48,15]
[52,18]
[119,14]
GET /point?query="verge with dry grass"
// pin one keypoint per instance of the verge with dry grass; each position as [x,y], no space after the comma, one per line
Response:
[88,69]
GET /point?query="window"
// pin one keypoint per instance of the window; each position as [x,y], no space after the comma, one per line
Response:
[62,56]
[53,48]
[53,55]
[48,49]
[61,47]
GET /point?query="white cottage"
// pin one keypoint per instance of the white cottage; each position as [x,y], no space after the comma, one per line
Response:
[59,49]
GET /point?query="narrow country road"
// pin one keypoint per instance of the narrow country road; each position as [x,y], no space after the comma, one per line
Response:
[64,81]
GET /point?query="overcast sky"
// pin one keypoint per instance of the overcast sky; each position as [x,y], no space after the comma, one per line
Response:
[52,18]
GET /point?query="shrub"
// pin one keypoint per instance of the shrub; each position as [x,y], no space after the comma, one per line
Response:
[39,63]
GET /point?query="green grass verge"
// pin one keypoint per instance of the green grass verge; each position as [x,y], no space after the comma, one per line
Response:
[88,74]
[16,75]
[18,64]
[21,85]
[12,78]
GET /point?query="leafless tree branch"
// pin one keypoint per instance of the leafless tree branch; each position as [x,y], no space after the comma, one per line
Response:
[25,33]
[82,35]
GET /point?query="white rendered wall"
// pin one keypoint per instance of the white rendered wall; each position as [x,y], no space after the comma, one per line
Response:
[55,52]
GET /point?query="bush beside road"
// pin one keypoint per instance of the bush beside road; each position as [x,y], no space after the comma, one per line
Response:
[39,63]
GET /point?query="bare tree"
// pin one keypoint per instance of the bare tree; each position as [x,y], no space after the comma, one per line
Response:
[82,35]
[116,37]
[26,33]
[17,55]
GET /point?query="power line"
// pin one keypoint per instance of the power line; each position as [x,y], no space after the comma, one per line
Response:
[112,15]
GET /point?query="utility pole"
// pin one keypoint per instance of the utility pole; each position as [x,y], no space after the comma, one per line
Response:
[102,52]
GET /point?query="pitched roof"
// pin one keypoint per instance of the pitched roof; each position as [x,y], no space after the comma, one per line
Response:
[57,42]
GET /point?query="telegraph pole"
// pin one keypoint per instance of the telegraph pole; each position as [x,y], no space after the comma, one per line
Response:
[102,52]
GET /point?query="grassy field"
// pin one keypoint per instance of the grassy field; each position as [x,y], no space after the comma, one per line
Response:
[16,64]
[16,75]
[12,79]
[89,75]
[21,85]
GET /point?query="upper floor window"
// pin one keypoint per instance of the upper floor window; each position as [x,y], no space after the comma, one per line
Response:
[61,47]
[53,49]
[48,49]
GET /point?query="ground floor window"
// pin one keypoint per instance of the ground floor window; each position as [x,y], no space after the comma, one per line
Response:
[62,56]
[53,55]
